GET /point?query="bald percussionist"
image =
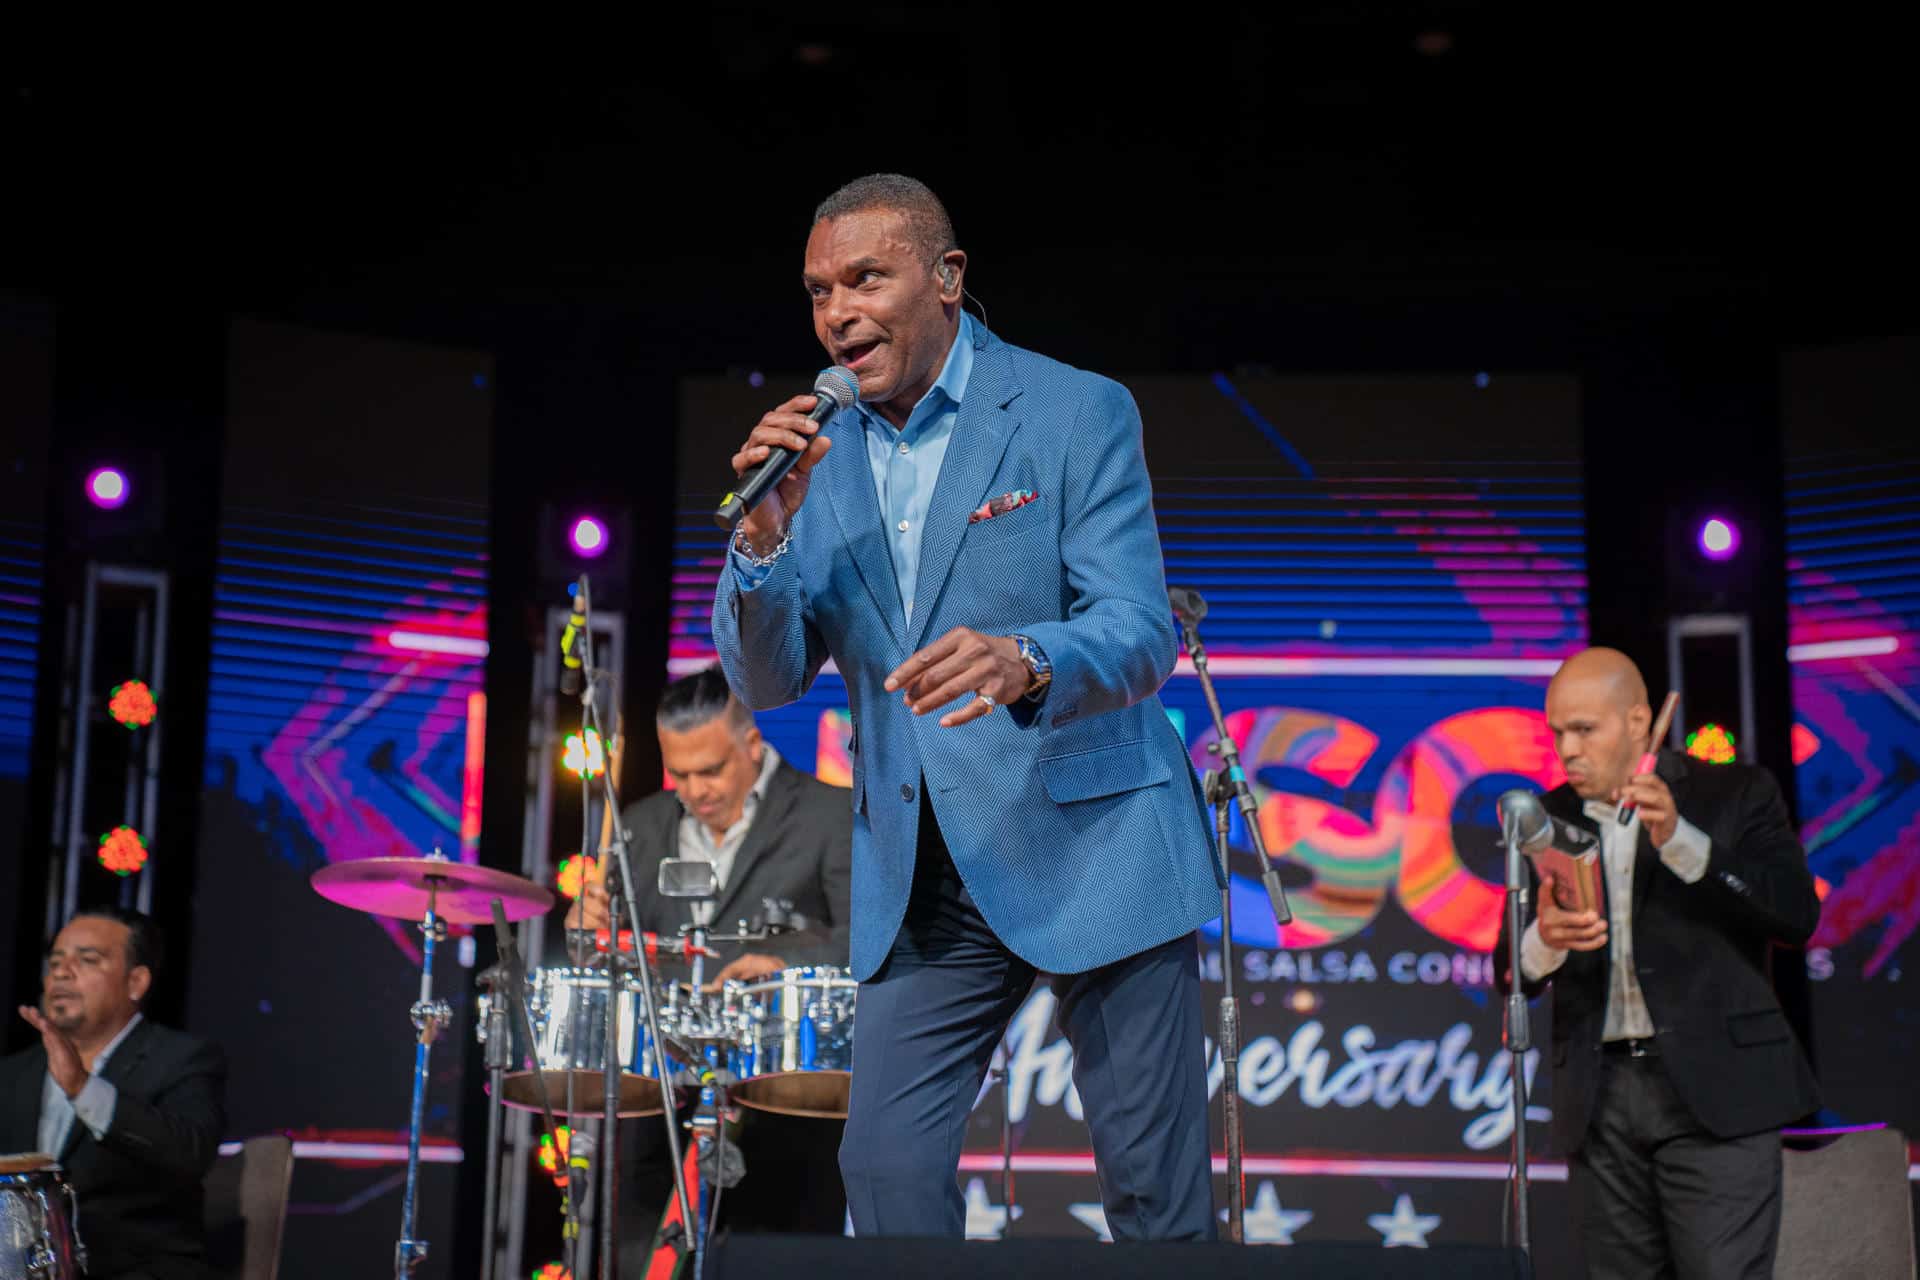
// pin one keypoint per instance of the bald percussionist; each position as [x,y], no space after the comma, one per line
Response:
[1674,1067]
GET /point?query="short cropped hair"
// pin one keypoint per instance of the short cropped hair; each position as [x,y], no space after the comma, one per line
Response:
[928,225]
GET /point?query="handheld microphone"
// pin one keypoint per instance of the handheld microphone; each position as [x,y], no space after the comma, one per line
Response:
[838,389]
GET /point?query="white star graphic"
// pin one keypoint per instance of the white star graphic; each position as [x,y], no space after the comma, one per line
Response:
[1093,1217]
[985,1219]
[1266,1222]
[1403,1226]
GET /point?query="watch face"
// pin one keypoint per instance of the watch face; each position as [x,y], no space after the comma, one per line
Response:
[1040,671]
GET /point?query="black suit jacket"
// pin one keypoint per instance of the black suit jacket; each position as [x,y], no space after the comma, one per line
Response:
[1701,956]
[139,1187]
[799,848]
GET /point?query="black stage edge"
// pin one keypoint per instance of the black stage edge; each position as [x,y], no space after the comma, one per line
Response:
[754,1257]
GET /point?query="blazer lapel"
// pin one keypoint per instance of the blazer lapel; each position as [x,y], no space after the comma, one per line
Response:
[679,911]
[849,479]
[768,824]
[980,437]
[120,1067]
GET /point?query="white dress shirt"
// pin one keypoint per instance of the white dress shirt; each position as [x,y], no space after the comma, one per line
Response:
[94,1103]
[1685,855]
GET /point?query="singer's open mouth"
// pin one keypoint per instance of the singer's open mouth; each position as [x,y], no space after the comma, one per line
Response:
[855,355]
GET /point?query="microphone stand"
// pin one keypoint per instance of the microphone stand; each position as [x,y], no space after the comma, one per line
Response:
[610,1097]
[1519,1031]
[1220,797]
[583,1151]
[1002,1072]
[622,846]
[1227,788]
[516,980]
[498,1055]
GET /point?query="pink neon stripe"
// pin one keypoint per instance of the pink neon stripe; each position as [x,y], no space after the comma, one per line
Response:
[367,1152]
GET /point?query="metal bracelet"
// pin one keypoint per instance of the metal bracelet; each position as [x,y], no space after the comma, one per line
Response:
[745,548]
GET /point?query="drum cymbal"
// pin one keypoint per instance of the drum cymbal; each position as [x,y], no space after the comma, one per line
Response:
[25,1162]
[639,1095]
[398,887]
[818,1095]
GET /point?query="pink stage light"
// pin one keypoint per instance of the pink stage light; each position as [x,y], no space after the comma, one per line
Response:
[588,536]
[1719,539]
[107,488]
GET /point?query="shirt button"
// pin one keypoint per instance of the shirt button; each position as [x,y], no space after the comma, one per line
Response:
[902,526]
[906,792]
[905,447]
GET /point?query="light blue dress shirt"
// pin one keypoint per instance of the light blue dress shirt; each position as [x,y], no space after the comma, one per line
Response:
[906,465]
[94,1105]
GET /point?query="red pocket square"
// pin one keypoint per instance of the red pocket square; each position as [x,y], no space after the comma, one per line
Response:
[1001,505]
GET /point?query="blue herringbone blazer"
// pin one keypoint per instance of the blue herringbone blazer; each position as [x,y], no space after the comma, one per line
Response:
[1077,826]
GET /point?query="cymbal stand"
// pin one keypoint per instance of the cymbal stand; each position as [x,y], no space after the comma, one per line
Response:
[429,1016]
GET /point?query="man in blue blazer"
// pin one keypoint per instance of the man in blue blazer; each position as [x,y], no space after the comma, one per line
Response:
[982,566]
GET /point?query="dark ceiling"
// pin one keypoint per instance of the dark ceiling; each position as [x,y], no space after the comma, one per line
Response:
[1347,168]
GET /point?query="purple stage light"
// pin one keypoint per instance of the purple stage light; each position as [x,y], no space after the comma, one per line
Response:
[588,536]
[1718,538]
[107,488]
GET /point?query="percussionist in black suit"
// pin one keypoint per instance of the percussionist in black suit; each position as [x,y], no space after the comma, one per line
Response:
[772,834]
[132,1110]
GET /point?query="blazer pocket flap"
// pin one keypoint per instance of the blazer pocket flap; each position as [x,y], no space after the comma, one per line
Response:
[1762,1026]
[1102,771]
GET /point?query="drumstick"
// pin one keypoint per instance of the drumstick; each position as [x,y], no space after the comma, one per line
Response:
[596,868]
[1665,718]
[615,750]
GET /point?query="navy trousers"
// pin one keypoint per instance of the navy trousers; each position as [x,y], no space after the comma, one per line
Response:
[926,1029]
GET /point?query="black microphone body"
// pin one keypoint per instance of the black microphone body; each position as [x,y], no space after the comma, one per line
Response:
[837,389]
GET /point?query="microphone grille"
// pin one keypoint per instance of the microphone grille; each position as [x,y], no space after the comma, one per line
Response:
[838,385]
[1188,604]
[1523,816]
